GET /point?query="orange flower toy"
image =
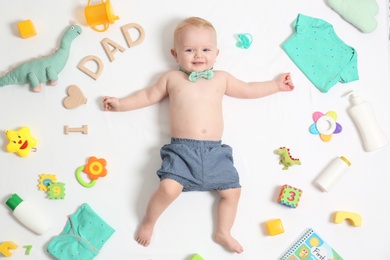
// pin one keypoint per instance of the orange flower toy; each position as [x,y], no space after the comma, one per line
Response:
[21,141]
[95,168]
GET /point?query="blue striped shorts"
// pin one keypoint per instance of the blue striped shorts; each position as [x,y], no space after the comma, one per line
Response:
[199,165]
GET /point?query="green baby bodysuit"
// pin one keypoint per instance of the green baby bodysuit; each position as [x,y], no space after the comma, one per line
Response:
[84,235]
[320,54]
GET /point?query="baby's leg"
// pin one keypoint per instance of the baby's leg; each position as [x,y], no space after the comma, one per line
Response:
[226,214]
[166,193]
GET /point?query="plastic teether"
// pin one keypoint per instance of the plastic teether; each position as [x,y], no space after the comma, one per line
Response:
[95,168]
[325,125]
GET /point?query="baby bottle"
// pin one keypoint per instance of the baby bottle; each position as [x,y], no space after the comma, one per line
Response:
[363,115]
[28,215]
[333,173]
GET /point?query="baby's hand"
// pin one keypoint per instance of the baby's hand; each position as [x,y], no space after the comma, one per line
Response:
[284,82]
[111,104]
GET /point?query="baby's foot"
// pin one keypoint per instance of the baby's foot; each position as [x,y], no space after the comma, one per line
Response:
[37,88]
[227,241]
[144,234]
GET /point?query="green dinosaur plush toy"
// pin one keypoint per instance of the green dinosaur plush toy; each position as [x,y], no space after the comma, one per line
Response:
[44,69]
[286,159]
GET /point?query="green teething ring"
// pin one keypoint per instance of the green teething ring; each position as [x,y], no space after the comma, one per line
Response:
[81,181]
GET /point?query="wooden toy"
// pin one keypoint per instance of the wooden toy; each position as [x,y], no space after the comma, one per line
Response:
[83,129]
[354,218]
[99,63]
[289,196]
[106,43]
[126,34]
[274,227]
[111,47]
[115,47]
[75,97]
[5,248]
[26,29]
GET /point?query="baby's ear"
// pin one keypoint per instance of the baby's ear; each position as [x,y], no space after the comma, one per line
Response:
[174,54]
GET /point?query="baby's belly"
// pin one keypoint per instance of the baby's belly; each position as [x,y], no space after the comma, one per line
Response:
[197,128]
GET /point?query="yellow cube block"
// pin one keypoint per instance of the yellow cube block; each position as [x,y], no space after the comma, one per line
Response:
[26,29]
[274,227]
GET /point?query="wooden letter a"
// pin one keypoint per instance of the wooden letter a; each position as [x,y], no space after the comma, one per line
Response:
[110,53]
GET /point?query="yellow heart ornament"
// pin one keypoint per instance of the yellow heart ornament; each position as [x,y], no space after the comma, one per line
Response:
[75,97]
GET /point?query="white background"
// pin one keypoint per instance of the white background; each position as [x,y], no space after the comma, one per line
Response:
[130,142]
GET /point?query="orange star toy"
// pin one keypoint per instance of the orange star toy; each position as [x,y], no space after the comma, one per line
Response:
[21,141]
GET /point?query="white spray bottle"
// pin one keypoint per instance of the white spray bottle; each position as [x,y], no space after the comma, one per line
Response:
[364,117]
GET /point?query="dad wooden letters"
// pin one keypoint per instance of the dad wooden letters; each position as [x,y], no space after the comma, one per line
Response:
[111,47]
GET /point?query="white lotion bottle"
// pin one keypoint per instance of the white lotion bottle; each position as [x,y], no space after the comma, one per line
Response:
[28,214]
[364,117]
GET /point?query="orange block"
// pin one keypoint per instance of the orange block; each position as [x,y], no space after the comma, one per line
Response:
[26,29]
[274,227]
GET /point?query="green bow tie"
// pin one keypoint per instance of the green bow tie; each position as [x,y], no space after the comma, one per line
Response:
[193,76]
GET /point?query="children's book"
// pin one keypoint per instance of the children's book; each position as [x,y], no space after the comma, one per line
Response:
[310,246]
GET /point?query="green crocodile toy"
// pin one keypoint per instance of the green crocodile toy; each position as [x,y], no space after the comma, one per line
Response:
[44,69]
[286,159]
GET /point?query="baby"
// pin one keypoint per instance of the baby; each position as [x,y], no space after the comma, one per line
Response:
[196,160]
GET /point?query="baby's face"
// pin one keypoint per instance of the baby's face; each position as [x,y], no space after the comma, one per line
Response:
[195,48]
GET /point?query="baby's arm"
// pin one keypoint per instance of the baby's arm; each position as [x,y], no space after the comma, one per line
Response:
[241,89]
[142,98]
